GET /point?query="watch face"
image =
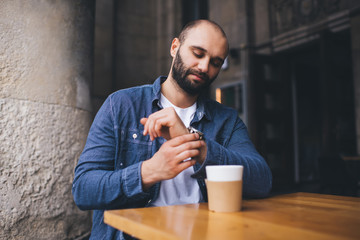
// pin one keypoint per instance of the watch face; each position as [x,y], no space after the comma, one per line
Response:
[193,130]
[201,135]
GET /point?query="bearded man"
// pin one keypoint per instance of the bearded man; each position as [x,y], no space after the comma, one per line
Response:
[149,145]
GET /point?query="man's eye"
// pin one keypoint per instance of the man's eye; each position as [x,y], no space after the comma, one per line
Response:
[216,63]
[198,55]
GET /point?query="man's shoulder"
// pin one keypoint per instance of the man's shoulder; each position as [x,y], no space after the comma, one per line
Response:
[132,92]
[222,113]
[219,108]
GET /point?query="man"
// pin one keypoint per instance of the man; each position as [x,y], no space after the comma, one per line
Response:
[149,145]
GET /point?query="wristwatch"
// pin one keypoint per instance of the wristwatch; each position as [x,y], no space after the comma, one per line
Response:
[193,130]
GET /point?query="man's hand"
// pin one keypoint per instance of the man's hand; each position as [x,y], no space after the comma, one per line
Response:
[168,162]
[164,123]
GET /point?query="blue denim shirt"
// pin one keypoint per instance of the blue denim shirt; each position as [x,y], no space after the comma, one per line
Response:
[108,174]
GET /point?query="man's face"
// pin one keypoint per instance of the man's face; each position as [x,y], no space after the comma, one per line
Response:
[180,73]
[198,59]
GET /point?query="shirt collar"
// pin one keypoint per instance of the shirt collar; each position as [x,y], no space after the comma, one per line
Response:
[201,111]
[157,90]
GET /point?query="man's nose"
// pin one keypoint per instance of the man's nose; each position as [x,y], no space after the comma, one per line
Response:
[204,65]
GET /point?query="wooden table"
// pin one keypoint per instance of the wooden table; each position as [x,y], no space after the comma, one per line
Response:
[291,216]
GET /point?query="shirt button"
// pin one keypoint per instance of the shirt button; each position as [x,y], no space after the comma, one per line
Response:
[134,136]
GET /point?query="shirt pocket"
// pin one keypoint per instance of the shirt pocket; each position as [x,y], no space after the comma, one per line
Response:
[134,147]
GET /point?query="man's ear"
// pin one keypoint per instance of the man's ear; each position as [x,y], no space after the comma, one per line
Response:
[174,47]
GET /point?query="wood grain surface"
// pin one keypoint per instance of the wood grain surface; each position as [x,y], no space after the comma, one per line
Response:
[290,216]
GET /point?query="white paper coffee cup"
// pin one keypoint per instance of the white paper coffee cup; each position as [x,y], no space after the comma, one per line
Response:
[224,187]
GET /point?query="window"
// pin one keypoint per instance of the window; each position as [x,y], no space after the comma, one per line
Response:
[232,96]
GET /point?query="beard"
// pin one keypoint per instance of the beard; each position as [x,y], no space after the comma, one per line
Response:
[180,73]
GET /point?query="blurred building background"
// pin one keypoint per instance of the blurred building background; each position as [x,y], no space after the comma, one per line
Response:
[293,74]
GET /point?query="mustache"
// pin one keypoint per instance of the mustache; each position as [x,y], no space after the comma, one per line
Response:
[198,73]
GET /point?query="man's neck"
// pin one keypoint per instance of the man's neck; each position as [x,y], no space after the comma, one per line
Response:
[176,95]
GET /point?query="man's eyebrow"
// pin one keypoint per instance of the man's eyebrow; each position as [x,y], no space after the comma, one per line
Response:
[204,50]
[199,48]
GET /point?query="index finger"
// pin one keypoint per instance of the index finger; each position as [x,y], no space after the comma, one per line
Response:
[143,121]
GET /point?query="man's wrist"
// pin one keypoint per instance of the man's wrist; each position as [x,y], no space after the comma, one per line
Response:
[147,178]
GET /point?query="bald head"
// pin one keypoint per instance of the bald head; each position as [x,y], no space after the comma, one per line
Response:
[193,24]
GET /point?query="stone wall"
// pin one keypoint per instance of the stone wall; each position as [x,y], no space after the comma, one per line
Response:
[45,69]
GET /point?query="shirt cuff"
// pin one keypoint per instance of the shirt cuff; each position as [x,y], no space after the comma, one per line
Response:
[214,156]
[132,181]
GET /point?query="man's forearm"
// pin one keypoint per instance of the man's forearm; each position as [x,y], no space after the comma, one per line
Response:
[102,189]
